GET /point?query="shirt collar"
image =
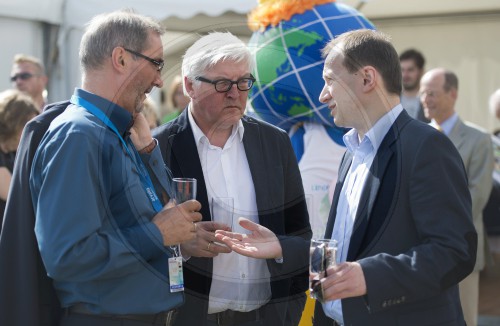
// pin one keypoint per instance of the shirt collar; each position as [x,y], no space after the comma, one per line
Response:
[199,135]
[447,124]
[376,133]
[121,118]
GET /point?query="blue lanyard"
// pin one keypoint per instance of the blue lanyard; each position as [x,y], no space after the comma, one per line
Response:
[143,173]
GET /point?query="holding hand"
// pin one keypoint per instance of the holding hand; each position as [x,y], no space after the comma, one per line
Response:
[344,280]
[203,244]
[261,243]
[176,223]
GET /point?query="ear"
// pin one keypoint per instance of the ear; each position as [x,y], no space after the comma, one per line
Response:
[369,75]
[454,93]
[189,87]
[118,59]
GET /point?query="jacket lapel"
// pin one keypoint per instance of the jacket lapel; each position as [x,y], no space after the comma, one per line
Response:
[457,135]
[259,167]
[364,216]
[185,161]
[344,168]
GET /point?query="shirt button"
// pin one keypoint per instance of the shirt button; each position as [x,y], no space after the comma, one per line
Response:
[243,275]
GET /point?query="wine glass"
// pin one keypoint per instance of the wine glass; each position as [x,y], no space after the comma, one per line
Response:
[322,254]
[222,210]
[184,189]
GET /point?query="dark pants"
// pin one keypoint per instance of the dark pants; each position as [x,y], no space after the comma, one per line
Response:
[79,319]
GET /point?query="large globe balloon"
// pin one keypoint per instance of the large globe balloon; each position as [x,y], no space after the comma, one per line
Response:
[289,63]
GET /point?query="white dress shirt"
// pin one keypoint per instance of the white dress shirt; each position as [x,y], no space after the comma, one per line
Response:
[363,151]
[238,283]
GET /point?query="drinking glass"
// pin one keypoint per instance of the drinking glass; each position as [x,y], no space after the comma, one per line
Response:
[322,254]
[222,210]
[184,189]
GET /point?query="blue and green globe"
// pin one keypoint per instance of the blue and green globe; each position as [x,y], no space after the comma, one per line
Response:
[289,64]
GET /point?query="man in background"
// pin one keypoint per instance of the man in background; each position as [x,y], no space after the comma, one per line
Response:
[28,76]
[439,92]
[412,68]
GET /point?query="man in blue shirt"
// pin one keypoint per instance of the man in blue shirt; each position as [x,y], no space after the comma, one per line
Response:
[99,185]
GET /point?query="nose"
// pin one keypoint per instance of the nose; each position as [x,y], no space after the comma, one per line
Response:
[233,91]
[158,81]
[325,95]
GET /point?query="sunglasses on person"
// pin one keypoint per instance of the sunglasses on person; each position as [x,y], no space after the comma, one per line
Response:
[22,76]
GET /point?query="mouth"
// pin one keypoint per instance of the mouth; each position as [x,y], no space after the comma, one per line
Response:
[332,108]
[231,107]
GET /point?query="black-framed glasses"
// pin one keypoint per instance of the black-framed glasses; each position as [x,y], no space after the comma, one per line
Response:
[22,76]
[158,63]
[224,85]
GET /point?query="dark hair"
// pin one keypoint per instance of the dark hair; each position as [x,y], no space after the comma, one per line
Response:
[416,56]
[450,81]
[366,47]
[16,109]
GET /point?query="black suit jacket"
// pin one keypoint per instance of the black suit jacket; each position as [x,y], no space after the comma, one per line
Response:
[280,201]
[27,296]
[413,233]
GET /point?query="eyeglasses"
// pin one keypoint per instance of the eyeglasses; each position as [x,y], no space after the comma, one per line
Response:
[224,85]
[22,76]
[158,63]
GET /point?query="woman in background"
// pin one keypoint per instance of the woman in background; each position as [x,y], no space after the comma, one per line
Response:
[16,109]
[176,99]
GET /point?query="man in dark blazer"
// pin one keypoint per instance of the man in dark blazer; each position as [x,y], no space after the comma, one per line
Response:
[237,156]
[27,296]
[401,210]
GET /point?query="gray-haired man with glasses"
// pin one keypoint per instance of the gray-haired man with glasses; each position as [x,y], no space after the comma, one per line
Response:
[232,155]
[99,188]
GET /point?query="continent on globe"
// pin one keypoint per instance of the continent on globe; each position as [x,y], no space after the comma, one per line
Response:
[289,64]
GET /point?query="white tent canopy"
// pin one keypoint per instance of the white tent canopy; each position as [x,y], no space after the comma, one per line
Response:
[78,12]
[51,29]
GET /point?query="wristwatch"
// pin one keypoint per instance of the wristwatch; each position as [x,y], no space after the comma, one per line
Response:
[148,149]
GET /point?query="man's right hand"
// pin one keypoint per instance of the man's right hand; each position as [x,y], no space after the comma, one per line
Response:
[176,223]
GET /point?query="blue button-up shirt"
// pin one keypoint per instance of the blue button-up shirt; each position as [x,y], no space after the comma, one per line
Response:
[93,216]
[364,152]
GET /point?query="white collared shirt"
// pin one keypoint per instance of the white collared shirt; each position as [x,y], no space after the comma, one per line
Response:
[363,154]
[238,283]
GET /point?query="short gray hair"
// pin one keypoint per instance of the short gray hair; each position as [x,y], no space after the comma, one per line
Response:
[107,31]
[212,49]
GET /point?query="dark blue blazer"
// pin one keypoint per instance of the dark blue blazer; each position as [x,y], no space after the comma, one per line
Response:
[413,233]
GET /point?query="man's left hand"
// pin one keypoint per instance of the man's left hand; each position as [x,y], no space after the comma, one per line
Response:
[344,280]
[261,243]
